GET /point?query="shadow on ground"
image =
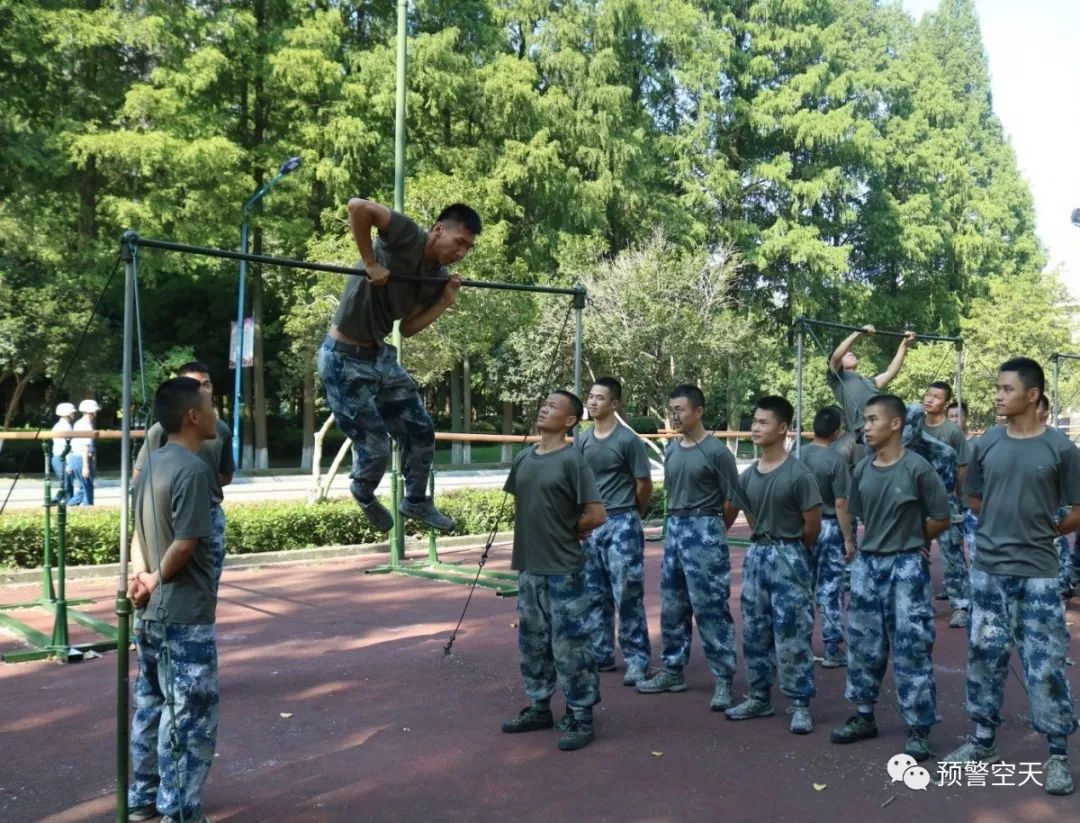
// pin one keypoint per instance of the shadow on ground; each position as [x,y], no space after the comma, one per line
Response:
[383,726]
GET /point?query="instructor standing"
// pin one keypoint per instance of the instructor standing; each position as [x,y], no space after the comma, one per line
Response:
[371,395]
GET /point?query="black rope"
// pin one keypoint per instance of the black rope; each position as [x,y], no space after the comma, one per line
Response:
[63,378]
[448,648]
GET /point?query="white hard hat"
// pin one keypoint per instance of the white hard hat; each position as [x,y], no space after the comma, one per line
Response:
[64,410]
[89,407]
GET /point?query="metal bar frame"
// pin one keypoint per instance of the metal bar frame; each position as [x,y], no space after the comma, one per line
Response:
[826,324]
[290,263]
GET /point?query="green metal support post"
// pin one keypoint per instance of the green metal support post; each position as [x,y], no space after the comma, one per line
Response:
[397,534]
[432,547]
[47,592]
[61,643]
[57,644]
[123,605]
[579,305]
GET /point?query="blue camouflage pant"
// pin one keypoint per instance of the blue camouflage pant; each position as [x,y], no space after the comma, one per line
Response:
[971,522]
[217,542]
[372,401]
[1066,559]
[168,779]
[890,613]
[554,638]
[615,576]
[957,584]
[1026,612]
[778,619]
[695,584]
[828,567]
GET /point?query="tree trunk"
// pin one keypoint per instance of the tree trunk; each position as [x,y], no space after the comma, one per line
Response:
[308,441]
[507,428]
[247,446]
[258,135]
[733,397]
[262,456]
[455,413]
[466,407]
[13,404]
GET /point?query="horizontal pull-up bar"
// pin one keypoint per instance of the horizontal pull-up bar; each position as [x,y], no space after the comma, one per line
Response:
[130,238]
[1060,355]
[934,338]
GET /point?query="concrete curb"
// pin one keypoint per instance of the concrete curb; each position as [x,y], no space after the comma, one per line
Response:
[415,549]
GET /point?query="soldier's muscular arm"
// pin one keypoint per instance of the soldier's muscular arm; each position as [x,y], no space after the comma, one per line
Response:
[591,518]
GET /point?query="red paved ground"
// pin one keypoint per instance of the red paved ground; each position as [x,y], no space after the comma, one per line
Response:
[384,727]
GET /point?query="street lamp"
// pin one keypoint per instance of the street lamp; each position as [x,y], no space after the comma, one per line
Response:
[290,165]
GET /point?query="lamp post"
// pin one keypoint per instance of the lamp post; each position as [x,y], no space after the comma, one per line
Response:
[290,165]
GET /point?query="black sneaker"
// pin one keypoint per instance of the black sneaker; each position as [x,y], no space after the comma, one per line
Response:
[578,735]
[376,513]
[859,727]
[529,719]
[918,745]
[143,813]
[942,595]
[606,665]
[426,513]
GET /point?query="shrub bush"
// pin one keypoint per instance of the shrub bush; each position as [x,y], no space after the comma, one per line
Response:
[92,535]
[644,425]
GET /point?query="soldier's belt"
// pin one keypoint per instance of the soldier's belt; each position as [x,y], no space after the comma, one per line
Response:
[693,513]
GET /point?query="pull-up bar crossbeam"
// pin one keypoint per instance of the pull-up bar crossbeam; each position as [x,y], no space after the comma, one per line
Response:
[133,239]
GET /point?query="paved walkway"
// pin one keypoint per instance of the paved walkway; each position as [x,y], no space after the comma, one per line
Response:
[381,726]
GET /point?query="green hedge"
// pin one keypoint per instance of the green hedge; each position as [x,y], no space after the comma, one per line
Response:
[93,534]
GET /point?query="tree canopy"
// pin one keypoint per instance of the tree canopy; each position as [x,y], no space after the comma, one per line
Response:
[709,169]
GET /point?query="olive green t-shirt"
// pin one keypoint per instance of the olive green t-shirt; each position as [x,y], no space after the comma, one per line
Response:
[617,462]
[831,473]
[367,313]
[172,502]
[550,492]
[951,435]
[700,476]
[965,499]
[851,391]
[848,447]
[216,453]
[777,499]
[1022,482]
[894,502]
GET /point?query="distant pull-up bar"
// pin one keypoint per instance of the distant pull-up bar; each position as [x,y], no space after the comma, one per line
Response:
[802,325]
[1055,397]
[933,338]
[131,239]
